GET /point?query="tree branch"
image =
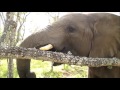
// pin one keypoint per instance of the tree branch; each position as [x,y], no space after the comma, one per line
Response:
[21,25]
[2,18]
[32,53]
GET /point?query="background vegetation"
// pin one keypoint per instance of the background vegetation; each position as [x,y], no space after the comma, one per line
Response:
[43,70]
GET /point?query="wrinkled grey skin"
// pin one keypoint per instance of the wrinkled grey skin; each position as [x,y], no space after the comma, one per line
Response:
[92,35]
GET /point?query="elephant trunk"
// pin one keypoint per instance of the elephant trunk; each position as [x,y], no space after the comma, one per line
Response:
[37,40]
[49,35]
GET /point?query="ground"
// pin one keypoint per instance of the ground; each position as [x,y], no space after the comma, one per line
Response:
[43,70]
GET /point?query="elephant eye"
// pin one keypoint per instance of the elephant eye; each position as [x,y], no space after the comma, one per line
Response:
[70,29]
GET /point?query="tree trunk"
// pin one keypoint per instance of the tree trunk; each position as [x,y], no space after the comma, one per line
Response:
[9,37]
[10,30]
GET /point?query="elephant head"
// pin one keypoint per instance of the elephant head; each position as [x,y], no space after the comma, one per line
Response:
[90,35]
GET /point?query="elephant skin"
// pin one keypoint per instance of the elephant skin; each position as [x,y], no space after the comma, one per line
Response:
[91,35]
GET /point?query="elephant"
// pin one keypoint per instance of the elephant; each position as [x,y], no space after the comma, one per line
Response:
[94,35]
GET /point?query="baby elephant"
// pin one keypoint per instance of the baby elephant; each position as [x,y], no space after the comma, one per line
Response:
[90,35]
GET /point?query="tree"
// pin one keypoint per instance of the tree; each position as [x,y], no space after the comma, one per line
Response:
[53,17]
[13,24]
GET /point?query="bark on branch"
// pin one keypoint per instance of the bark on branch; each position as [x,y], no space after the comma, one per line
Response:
[32,53]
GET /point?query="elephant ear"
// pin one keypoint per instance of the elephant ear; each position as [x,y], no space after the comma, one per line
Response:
[106,41]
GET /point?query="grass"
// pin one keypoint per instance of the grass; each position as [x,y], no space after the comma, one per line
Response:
[43,70]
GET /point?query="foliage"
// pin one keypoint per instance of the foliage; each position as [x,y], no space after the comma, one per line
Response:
[43,70]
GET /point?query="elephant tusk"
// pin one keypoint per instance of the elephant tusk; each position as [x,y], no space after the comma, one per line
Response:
[47,47]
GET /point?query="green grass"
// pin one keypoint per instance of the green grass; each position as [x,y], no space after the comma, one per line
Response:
[4,69]
[43,70]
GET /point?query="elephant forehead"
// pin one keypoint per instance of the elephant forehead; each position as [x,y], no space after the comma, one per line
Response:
[74,19]
[74,16]
[77,24]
